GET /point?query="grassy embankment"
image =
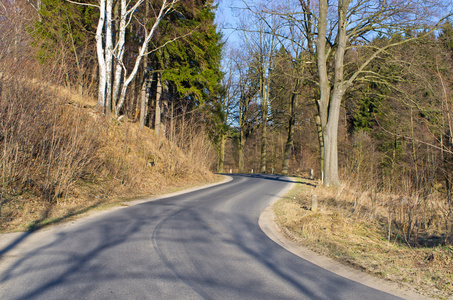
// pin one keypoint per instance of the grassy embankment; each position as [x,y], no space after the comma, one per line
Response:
[357,234]
[60,158]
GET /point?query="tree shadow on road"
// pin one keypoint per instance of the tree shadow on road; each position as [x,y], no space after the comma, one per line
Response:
[280,178]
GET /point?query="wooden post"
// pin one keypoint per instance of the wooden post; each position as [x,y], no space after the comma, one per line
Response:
[314,203]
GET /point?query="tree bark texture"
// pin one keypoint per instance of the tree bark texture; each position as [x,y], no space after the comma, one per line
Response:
[101,58]
[241,146]
[158,110]
[221,153]
[290,138]
[329,103]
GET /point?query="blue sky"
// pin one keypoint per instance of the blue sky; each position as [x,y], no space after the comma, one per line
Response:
[227,19]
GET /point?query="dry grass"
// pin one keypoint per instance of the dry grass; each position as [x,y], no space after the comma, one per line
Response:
[60,158]
[338,230]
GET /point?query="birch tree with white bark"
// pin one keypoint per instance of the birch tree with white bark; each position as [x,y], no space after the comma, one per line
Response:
[114,78]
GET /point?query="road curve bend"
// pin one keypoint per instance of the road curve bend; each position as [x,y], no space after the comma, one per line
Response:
[205,244]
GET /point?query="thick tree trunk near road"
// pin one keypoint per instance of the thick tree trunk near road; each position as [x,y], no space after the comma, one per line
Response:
[331,177]
[329,103]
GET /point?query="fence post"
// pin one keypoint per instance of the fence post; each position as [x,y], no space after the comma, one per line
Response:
[314,203]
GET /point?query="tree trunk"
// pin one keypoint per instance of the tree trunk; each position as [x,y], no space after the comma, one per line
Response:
[263,162]
[221,153]
[144,95]
[329,104]
[158,111]
[320,141]
[164,110]
[119,54]
[241,146]
[165,9]
[331,145]
[172,121]
[108,57]
[101,58]
[290,138]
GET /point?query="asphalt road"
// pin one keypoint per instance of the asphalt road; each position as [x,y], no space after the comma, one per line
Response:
[202,245]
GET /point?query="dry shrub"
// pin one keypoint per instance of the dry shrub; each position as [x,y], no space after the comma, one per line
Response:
[356,235]
[46,146]
[59,157]
[136,160]
[418,213]
[191,137]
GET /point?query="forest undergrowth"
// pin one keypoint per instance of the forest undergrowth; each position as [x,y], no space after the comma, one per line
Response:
[59,157]
[368,231]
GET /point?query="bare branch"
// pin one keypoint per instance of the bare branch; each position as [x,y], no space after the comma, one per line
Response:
[85,4]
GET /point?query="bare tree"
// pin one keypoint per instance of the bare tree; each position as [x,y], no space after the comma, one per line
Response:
[334,28]
[260,33]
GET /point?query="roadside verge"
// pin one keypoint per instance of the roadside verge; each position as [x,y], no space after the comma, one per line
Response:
[287,240]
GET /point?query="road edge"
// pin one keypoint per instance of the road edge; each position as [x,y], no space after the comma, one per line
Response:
[181,192]
[267,223]
[11,238]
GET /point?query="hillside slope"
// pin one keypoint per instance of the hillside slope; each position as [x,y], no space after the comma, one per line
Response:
[59,157]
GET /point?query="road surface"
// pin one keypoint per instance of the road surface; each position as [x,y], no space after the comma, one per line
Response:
[204,244]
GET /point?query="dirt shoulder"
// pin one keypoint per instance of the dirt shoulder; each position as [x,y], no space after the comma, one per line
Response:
[276,229]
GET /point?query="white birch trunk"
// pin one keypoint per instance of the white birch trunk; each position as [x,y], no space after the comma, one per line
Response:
[101,58]
[108,57]
[119,53]
[165,9]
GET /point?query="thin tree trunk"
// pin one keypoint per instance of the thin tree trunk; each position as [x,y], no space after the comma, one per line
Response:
[172,124]
[119,54]
[289,140]
[263,160]
[241,146]
[320,141]
[164,110]
[221,153]
[165,9]
[158,111]
[144,95]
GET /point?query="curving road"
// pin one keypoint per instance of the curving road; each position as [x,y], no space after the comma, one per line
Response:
[201,245]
